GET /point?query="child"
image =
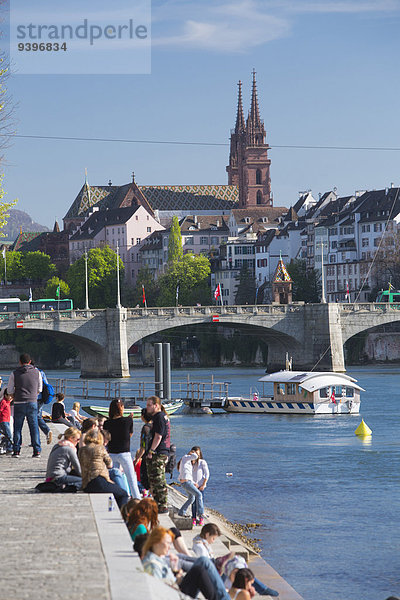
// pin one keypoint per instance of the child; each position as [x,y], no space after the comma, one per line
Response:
[74,413]
[58,411]
[5,418]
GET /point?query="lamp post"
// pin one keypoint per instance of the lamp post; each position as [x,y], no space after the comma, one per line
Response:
[118,284]
[86,282]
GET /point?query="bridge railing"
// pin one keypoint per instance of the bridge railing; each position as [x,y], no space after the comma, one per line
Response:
[370,307]
[176,311]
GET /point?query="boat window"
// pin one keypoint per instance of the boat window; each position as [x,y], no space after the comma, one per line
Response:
[349,392]
[291,389]
[280,389]
[324,392]
[338,390]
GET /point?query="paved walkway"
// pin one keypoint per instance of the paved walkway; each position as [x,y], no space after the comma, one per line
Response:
[57,546]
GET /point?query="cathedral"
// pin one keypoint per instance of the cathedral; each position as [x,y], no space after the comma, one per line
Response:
[249,164]
[249,182]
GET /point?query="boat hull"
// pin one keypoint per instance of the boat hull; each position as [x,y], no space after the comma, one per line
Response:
[136,411]
[268,405]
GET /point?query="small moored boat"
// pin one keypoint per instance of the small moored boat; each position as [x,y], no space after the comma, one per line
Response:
[302,393]
[102,411]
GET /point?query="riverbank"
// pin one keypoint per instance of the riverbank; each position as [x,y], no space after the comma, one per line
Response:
[70,544]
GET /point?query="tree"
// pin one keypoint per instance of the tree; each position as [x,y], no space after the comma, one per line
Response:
[190,276]
[151,288]
[15,271]
[52,286]
[386,266]
[175,251]
[306,282]
[37,265]
[246,291]
[102,277]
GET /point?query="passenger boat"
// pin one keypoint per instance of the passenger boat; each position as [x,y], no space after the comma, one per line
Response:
[302,393]
[102,411]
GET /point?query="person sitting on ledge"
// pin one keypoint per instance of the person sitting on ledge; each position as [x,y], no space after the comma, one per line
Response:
[58,411]
[143,517]
[232,566]
[95,462]
[242,586]
[63,459]
[202,577]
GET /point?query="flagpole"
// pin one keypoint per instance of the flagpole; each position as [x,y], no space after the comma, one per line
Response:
[118,285]
[86,282]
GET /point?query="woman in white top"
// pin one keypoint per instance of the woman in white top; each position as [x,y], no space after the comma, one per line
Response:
[242,585]
[201,475]
[186,479]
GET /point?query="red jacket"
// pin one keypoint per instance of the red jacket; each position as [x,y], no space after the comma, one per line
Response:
[5,411]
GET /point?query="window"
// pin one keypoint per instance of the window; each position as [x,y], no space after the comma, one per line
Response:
[138,240]
[350,269]
[189,241]
[149,230]
[203,240]
[118,230]
[376,242]
[238,249]
[377,226]
[258,177]
[291,389]
[132,241]
[137,218]
[333,245]
[333,231]
[364,242]
[259,197]
[214,241]
[338,269]
[332,258]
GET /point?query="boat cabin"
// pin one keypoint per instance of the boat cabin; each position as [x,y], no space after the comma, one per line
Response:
[312,387]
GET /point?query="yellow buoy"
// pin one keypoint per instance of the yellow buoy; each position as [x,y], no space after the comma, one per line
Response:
[363,429]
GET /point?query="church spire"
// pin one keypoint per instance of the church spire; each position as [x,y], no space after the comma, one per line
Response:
[240,126]
[255,111]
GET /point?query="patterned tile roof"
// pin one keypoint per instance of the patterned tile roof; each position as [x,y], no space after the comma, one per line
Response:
[88,196]
[27,241]
[191,197]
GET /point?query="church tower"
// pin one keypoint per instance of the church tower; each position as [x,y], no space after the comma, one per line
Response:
[237,138]
[249,165]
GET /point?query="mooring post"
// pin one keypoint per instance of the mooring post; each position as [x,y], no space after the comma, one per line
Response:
[166,364]
[158,370]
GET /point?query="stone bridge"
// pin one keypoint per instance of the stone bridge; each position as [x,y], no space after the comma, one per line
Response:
[313,334]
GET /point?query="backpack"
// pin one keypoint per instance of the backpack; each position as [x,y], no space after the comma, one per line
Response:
[47,393]
[171,464]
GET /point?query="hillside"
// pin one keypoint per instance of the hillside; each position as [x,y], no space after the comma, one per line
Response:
[18,219]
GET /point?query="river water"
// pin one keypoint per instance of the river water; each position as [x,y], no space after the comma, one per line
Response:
[328,502]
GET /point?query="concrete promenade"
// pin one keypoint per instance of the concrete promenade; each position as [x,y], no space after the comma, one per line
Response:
[56,546]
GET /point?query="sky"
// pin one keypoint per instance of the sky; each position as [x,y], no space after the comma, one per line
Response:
[327,75]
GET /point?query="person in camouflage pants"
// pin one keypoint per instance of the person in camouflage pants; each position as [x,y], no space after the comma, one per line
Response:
[157,456]
[158,483]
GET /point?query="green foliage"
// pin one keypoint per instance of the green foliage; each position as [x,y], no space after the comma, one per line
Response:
[52,285]
[175,251]
[37,265]
[246,291]
[45,350]
[192,275]
[102,277]
[306,282]
[151,288]
[15,269]
[4,206]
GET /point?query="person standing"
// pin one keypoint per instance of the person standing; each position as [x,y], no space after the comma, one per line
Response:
[41,422]
[201,474]
[119,447]
[157,456]
[25,383]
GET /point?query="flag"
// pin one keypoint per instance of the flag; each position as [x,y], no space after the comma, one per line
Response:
[58,291]
[30,294]
[217,292]
[177,292]
[347,291]
[143,295]
[4,253]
